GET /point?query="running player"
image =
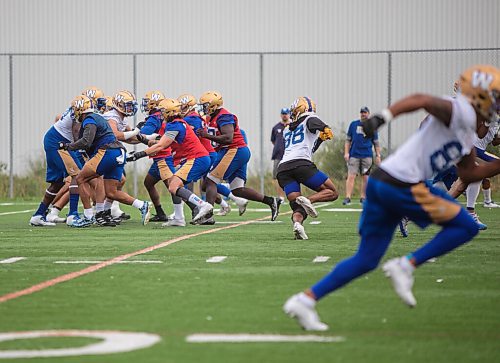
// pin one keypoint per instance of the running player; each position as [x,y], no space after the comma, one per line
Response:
[398,189]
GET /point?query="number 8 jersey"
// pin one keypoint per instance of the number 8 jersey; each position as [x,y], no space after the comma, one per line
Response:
[300,137]
[435,147]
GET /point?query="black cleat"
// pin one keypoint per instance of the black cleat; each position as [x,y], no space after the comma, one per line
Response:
[124,216]
[275,208]
[159,218]
[102,220]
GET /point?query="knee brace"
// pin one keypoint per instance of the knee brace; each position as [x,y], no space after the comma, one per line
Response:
[296,208]
[486,184]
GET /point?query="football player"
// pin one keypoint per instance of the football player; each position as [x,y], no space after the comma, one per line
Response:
[233,154]
[123,105]
[302,137]
[398,189]
[107,160]
[192,158]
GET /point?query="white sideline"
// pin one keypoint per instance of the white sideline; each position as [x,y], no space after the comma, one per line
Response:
[12,259]
[343,210]
[216,259]
[261,338]
[319,259]
[315,222]
[16,212]
[88,262]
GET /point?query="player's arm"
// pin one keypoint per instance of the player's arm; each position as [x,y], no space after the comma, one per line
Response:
[155,147]
[469,171]
[225,137]
[439,107]
[86,140]
[75,129]
[125,135]
[273,136]
[496,140]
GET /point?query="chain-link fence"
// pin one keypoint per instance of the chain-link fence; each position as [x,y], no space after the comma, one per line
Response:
[255,86]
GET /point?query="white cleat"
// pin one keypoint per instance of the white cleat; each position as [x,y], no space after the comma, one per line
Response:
[402,280]
[307,205]
[491,204]
[306,315]
[171,216]
[175,223]
[224,210]
[299,231]
[70,219]
[39,221]
[242,205]
[203,211]
[54,218]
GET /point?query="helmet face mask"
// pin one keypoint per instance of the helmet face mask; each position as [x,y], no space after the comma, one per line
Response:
[150,101]
[480,84]
[124,102]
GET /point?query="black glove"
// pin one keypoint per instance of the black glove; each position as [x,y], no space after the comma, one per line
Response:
[142,138]
[135,155]
[140,124]
[371,125]
[63,146]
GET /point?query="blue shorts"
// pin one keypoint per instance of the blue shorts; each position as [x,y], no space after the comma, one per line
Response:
[60,163]
[213,158]
[231,164]
[192,170]
[108,162]
[386,204]
[162,168]
[486,156]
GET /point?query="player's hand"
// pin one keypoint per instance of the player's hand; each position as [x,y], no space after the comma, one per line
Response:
[140,125]
[346,157]
[136,155]
[202,133]
[371,125]
[63,146]
[326,134]
[142,138]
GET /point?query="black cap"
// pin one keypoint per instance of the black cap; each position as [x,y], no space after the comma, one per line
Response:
[364,109]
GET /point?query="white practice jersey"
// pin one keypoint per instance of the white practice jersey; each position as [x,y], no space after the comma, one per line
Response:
[299,142]
[492,131]
[121,123]
[435,147]
[65,125]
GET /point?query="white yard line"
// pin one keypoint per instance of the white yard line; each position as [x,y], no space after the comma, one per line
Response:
[12,259]
[315,222]
[216,259]
[320,259]
[16,212]
[258,222]
[261,338]
[343,210]
[88,262]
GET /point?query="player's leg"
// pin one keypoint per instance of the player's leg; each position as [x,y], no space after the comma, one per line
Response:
[366,166]
[116,212]
[59,202]
[352,170]
[287,181]
[276,184]
[471,193]
[488,203]
[242,203]
[83,178]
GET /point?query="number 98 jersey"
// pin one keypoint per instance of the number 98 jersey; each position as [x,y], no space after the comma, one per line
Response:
[300,137]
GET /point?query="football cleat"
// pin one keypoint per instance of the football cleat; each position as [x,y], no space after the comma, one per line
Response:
[174,223]
[145,212]
[54,217]
[159,218]
[307,205]
[346,201]
[402,279]
[403,227]
[39,221]
[71,218]
[203,211]
[491,204]
[275,208]
[242,204]
[224,210]
[103,219]
[82,222]
[299,231]
[480,225]
[306,315]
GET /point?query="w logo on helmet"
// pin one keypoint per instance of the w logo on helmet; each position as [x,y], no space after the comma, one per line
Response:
[119,97]
[481,79]
[184,99]
[91,93]
[79,103]
[156,96]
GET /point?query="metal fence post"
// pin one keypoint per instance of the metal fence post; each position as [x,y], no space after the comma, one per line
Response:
[135,120]
[389,100]
[261,106]
[11,130]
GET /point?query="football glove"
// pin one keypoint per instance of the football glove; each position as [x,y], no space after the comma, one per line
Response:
[326,134]
[140,125]
[63,146]
[136,155]
[371,125]
[142,138]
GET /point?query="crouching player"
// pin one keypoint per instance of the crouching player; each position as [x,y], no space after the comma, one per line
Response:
[107,160]
[194,162]
[302,137]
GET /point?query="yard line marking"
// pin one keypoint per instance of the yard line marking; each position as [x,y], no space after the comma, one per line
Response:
[343,210]
[22,203]
[93,268]
[261,338]
[216,259]
[12,259]
[319,259]
[17,212]
[260,222]
[95,262]
[315,222]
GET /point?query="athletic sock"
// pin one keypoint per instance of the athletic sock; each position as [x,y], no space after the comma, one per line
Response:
[472,192]
[107,205]
[88,213]
[487,195]
[99,207]
[223,203]
[138,204]
[189,196]
[222,189]
[42,208]
[268,200]
[73,202]
[159,210]
[178,211]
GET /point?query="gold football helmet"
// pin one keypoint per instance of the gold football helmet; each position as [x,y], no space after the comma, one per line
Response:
[124,101]
[150,101]
[210,101]
[187,101]
[169,108]
[81,104]
[481,85]
[96,95]
[300,106]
